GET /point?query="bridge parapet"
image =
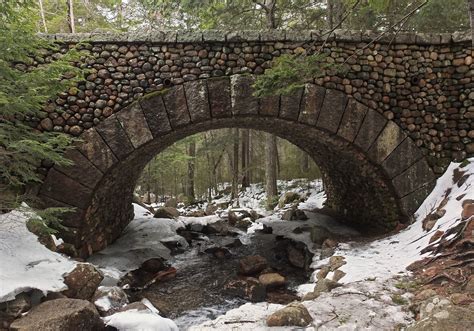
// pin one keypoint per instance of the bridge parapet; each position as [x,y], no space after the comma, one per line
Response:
[191,36]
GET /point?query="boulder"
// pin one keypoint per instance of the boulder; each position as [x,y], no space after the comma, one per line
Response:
[319,234]
[82,282]
[272,280]
[219,227]
[67,249]
[247,288]
[171,202]
[439,314]
[298,255]
[294,214]
[60,314]
[287,198]
[109,299]
[211,209]
[295,314]
[196,213]
[12,309]
[166,212]
[252,265]
[154,265]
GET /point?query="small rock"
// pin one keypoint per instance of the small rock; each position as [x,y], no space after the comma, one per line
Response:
[425,294]
[296,256]
[219,252]
[460,299]
[252,265]
[338,274]
[166,212]
[467,209]
[82,282]
[154,265]
[281,296]
[109,299]
[211,209]
[335,262]
[438,234]
[60,314]
[323,285]
[272,280]
[295,314]
[12,309]
[247,288]
[319,234]
[266,229]
[171,202]
[287,198]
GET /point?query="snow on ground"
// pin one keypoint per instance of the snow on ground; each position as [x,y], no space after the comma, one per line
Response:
[362,306]
[205,220]
[140,241]
[390,256]
[365,301]
[140,320]
[26,264]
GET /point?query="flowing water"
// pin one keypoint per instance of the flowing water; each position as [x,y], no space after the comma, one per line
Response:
[197,292]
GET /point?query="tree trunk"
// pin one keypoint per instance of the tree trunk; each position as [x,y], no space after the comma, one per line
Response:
[270,7]
[191,162]
[70,16]
[245,158]
[43,19]
[471,17]
[270,168]
[235,165]
[304,162]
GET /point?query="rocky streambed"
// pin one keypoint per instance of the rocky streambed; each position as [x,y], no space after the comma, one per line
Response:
[222,268]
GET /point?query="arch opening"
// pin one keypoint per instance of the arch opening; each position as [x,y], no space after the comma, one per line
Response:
[375,175]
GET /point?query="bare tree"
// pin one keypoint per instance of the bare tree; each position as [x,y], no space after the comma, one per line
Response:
[235,165]
[471,18]
[191,164]
[43,19]
[271,153]
[70,16]
[245,157]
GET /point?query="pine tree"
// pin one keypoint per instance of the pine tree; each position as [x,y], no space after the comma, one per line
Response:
[25,87]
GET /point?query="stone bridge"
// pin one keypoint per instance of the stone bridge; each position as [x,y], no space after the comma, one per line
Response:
[381,131]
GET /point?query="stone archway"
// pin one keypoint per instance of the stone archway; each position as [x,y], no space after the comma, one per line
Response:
[375,175]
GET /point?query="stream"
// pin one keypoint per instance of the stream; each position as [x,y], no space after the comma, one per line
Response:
[197,293]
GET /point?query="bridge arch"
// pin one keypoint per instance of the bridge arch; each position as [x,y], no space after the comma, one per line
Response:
[375,174]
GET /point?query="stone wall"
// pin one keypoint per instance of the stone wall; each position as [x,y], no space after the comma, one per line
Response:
[422,82]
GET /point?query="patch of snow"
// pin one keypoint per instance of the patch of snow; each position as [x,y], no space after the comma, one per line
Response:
[205,220]
[103,303]
[359,306]
[25,263]
[141,240]
[135,320]
[389,256]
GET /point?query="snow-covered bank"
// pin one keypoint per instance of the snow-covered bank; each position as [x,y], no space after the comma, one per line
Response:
[141,240]
[368,298]
[26,264]
[390,256]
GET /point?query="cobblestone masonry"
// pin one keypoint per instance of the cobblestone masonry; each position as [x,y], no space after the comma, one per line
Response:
[381,131]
